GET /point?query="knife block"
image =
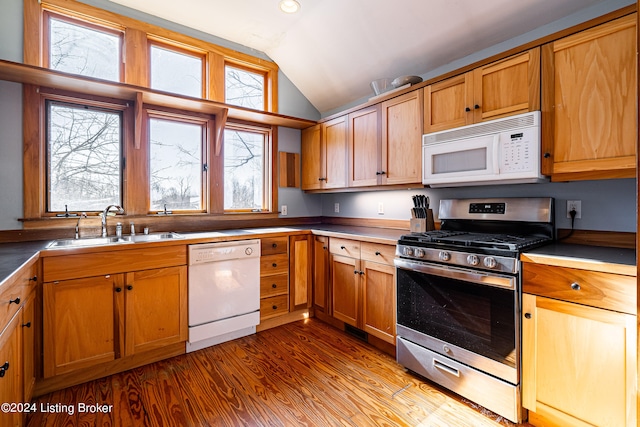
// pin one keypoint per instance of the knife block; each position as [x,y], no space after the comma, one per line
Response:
[420,225]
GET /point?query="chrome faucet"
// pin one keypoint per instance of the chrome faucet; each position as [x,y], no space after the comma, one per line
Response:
[104,217]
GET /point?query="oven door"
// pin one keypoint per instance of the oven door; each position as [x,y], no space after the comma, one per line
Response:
[466,315]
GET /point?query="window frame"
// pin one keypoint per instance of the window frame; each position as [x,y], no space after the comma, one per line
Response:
[269,195]
[207,124]
[46,42]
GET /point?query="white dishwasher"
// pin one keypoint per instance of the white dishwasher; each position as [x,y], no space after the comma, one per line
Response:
[224,292]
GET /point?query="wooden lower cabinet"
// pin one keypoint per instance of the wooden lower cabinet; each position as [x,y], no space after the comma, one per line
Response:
[363,288]
[579,364]
[321,288]
[93,320]
[300,272]
[10,367]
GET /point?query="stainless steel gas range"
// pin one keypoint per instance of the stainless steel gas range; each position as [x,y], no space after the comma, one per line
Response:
[459,297]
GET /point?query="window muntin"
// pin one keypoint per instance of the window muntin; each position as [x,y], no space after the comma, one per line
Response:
[244,87]
[176,71]
[83,146]
[247,171]
[84,49]
[176,164]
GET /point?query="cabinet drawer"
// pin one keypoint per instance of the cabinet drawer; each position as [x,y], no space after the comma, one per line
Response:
[15,292]
[376,252]
[274,264]
[274,245]
[274,285]
[345,247]
[603,290]
[274,306]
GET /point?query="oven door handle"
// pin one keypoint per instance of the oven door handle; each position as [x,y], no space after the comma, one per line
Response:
[481,278]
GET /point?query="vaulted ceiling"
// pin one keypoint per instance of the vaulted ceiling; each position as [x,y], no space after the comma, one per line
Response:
[332,49]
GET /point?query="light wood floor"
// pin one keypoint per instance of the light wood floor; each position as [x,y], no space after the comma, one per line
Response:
[302,374]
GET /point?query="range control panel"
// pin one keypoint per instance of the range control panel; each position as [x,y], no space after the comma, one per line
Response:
[488,208]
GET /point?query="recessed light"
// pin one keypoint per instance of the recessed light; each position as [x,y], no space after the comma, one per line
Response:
[289,6]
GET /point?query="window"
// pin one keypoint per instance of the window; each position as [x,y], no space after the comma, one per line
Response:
[244,88]
[176,71]
[247,172]
[83,157]
[84,49]
[176,159]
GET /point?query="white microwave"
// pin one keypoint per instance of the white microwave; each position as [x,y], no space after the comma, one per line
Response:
[502,151]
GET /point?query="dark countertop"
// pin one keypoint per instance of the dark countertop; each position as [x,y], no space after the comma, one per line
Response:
[596,258]
[15,255]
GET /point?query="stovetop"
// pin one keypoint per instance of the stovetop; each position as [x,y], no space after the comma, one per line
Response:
[467,240]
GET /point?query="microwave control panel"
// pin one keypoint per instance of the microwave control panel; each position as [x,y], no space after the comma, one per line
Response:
[518,153]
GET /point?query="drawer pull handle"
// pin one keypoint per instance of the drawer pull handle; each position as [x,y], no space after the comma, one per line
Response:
[3,369]
[274,286]
[33,279]
[575,286]
[378,253]
[342,247]
[275,307]
[26,325]
[274,265]
[274,245]
[439,365]
[527,315]
[15,301]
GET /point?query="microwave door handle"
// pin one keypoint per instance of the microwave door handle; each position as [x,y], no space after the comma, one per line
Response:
[495,153]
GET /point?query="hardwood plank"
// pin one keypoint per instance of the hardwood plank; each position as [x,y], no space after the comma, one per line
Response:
[303,373]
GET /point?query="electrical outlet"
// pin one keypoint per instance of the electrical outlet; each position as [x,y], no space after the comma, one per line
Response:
[574,204]
[336,207]
[284,210]
[380,208]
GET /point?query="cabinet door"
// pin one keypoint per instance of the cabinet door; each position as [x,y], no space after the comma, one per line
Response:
[312,153]
[589,100]
[364,146]
[345,289]
[401,148]
[579,363]
[28,326]
[156,308]
[299,272]
[81,328]
[321,298]
[334,135]
[379,310]
[447,104]
[10,366]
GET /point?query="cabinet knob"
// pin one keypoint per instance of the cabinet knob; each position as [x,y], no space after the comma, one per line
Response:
[378,253]
[361,272]
[275,307]
[477,107]
[274,245]
[342,247]
[467,109]
[355,271]
[547,155]
[129,287]
[322,179]
[575,286]
[15,301]
[26,325]
[33,279]
[118,289]
[274,265]
[274,286]
[527,315]
[324,248]
[3,369]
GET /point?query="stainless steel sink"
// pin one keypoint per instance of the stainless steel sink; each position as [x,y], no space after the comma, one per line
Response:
[101,241]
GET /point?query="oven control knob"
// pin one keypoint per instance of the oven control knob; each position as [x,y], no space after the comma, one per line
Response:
[444,256]
[473,260]
[490,262]
[407,251]
[419,253]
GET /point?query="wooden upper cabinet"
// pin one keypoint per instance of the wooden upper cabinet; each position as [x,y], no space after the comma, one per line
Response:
[503,88]
[364,146]
[401,148]
[589,103]
[324,155]
[312,154]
